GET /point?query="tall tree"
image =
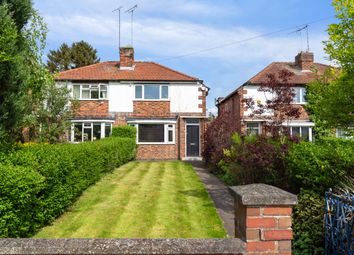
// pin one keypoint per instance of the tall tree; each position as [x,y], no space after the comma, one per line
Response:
[59,60]
[331,97]
[14,68]
[83,54]
[26,85]
[340,46]
[79,54]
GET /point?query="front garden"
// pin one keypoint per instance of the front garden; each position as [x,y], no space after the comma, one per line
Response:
[39,181]
[142,200]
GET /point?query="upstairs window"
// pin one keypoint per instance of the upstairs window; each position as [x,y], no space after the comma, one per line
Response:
[300,95]
[85,92]
[151,92]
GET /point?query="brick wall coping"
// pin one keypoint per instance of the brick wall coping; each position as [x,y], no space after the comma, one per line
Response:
[262,194]
[121,246]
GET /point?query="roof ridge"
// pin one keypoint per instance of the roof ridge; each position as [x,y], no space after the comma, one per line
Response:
[82,67]
[170,69]
[263,70]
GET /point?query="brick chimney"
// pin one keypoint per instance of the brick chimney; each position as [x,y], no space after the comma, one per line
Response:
[304,60]
[126,55]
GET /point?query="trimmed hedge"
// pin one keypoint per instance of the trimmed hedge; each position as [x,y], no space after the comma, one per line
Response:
[124,131]
[37,183]
[315,168]
[319,166]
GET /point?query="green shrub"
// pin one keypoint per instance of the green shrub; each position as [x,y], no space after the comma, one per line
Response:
[255,159]
[124,131]
[19,191]
[307,169]
[318,166]
[308,224]
[50,177]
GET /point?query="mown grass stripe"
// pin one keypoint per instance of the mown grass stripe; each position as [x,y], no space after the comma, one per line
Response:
[143,200]
[198,198]
[142,206]
[83,218]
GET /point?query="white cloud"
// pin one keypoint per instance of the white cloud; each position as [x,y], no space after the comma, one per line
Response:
[165,38]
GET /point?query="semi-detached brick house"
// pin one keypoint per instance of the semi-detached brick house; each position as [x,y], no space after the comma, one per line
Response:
[304,70]
[167,107]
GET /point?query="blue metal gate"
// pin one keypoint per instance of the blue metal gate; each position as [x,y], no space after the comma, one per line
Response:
[339,223]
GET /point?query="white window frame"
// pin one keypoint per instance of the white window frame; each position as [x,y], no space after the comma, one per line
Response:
[302,93]
[341,134]
[166,129]
[300,133]
[259,127]
[160,92]
[89,124]
[89,89]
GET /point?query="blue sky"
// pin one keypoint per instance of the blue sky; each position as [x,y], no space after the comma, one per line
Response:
[166,30]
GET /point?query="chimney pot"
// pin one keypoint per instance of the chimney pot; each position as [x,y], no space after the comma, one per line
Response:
[126,55]
[304,60]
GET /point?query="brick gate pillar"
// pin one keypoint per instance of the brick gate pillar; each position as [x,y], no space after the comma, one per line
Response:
[263,218]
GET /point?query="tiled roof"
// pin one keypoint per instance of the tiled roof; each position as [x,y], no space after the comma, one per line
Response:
[143,71]
[299,77]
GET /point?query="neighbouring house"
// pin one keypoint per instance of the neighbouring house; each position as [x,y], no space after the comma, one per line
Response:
[167,107]
[304,70]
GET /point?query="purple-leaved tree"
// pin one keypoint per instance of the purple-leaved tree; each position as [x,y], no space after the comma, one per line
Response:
[279,108]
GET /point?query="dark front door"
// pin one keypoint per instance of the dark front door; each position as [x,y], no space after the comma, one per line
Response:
[193,141]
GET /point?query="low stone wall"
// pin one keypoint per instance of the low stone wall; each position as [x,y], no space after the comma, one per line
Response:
[262,226]
[121,246]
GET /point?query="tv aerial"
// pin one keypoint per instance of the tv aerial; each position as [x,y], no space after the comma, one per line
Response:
[131,10]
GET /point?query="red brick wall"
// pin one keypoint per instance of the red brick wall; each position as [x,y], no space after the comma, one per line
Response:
[304,60]
[182,138]
[126,56]
[234,107]
[304,114]
[150,109]
[202,96]
[92,108]
[268,230]
[120,118]
[157,151]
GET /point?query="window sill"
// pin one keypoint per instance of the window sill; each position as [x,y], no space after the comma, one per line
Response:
[91,99]
[152,100]
[142,143]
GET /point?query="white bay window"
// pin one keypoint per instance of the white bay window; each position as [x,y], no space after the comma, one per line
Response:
[89,131]
[155,133]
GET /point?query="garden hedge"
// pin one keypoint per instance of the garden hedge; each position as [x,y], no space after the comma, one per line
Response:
[321,165]
[124,131]
[305,168]
[38,182]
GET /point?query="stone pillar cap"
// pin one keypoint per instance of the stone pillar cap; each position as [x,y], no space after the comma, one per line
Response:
[259,194]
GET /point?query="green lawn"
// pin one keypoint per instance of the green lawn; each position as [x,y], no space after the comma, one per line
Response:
[143,200]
